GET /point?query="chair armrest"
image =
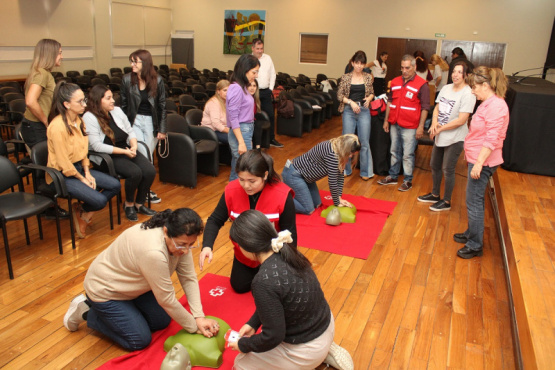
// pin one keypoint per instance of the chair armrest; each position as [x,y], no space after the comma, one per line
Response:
[202,133]
[55,175]
[147,150]
[109,162]
[303,103]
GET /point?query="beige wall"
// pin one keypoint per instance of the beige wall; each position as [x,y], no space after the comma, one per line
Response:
[351,24]
[356,24]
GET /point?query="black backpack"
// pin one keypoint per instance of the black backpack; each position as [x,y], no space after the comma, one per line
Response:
[286,109]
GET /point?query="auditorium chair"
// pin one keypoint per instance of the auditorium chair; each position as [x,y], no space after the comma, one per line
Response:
[292,126]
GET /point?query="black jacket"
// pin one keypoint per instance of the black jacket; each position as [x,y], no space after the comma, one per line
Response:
[131,99]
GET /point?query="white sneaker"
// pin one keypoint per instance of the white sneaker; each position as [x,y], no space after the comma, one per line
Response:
[339,358]
[74,314]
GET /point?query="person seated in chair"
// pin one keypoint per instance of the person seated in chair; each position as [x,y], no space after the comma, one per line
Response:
[68,146]
[110,132]
[214,116]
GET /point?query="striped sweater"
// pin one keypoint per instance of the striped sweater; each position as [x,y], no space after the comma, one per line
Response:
[319,162]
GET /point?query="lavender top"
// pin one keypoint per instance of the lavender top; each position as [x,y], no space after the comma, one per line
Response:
[239,106]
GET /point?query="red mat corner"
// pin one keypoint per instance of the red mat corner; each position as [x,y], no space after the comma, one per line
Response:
[352,240]
[218,299]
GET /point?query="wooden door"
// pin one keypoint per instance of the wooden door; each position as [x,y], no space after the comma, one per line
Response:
[396,48]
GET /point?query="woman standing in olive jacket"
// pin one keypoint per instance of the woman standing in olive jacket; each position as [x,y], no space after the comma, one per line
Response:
[143,99]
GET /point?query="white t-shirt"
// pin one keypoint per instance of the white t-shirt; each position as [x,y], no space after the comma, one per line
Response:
[450,104]
[444,75]
[377,71]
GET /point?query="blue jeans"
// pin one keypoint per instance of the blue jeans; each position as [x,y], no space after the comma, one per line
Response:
[144,130]
[247,129]
[361,123]
[128,323]
[222,137]
[94,200]
[475,204]
[403,145]
[307,197]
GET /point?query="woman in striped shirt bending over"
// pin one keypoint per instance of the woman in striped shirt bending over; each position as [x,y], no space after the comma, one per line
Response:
[327,158]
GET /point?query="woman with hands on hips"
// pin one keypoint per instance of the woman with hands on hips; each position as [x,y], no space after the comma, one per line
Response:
[68,147]
[355,94]
[240,108]
[483,147]
[129,289]
[297,323]
[110,132]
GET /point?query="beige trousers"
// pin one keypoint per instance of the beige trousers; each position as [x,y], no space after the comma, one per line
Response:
[290,356]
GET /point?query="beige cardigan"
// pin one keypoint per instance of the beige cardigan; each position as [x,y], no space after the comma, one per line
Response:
[139,261]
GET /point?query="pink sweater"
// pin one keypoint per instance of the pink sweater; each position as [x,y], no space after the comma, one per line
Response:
[488,129]
[213,115]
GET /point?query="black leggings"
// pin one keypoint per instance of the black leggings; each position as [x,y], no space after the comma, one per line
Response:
[241,276]
[138,173]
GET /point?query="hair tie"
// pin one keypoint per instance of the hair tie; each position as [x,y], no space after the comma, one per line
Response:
[283,237]
[419,58]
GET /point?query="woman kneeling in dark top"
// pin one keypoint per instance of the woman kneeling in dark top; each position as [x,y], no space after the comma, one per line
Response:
[258,187]
[297,324]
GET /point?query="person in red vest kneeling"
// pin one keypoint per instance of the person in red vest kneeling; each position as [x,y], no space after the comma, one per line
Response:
[258,187]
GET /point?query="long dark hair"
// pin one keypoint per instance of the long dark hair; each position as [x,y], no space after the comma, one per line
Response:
[382,54]
[421,63]
[244,64]
[148,73]
[257,163]
[359,56]
[94,105]
[182,221]
[63,93]
[254,233]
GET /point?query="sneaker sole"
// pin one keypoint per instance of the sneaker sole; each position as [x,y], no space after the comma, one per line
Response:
[439,209]
[427,201]
[403,190]
[276,146]
[340,358]
[72,308]
[388,183]
[156,201]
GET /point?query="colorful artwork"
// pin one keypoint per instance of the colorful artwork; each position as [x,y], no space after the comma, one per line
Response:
[240,28]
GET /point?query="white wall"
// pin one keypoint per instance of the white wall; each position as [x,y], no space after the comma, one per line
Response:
[356,24]
[352,24]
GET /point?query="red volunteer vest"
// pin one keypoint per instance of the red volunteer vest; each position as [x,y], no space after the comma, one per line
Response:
[405,108]
[271,203]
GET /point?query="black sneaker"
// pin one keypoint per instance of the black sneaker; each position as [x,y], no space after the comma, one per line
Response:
[440,206]
[154,198]
[276,143]
[460,238]
[428,198]
[467,253]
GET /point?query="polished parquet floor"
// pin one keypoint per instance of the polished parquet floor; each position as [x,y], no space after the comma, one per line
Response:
[411,305]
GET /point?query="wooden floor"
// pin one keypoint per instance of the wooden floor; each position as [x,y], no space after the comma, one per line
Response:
[411,304]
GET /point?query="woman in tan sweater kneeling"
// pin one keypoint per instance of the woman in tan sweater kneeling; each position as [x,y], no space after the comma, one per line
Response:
[129,291]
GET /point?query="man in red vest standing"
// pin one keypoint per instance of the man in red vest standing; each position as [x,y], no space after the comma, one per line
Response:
[407,109]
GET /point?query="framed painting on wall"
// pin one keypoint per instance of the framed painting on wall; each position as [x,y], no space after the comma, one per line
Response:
[240,28]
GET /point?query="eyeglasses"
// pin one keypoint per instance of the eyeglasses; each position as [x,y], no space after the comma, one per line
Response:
[135,62]
[83,102]
[185,247]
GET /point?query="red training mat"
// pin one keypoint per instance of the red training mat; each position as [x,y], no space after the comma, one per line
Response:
[353,240]
[219,300]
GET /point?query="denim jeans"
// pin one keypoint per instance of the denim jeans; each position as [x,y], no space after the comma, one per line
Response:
[128,323]
[94,200]
[361,124]
[443,162]
[222,137]
[247,129]
[307,197]
[475,205]
[403,145]
[144,130]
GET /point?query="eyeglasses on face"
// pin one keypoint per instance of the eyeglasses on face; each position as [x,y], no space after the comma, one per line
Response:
[83,102]
[185,247]
[135,62]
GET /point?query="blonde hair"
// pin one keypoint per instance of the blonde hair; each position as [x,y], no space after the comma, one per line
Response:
[344,146]
[494,77]
[222,84]
[46,53]
[440,62]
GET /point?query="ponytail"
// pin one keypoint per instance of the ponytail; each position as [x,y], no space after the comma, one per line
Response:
[253,232]
[493,76]
[257,163]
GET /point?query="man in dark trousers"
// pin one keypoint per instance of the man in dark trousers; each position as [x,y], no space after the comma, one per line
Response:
[407,109]
[266,81]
